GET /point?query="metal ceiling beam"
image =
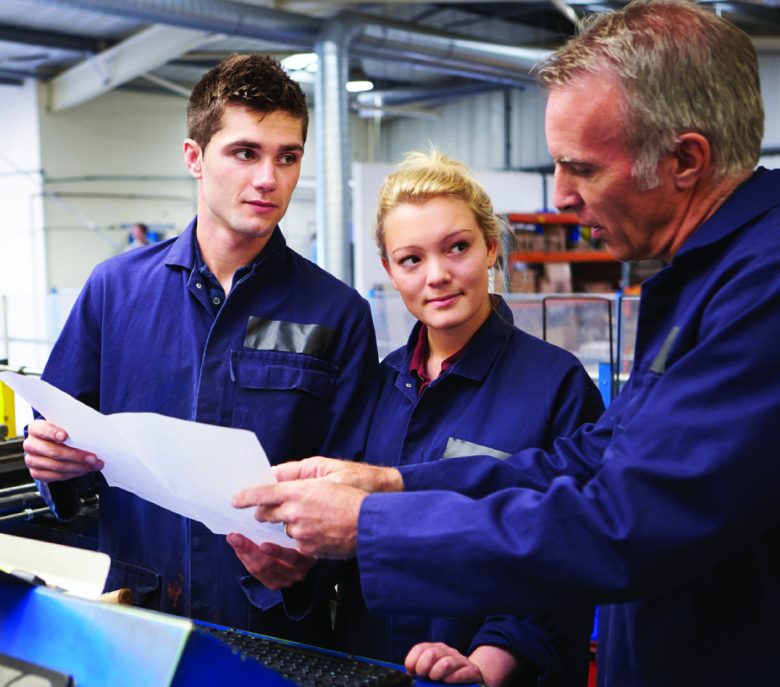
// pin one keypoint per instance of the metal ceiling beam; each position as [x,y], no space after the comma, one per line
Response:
[215,16]
[567,11]
[121,63]
[376,36]
[11,78]
[49,39]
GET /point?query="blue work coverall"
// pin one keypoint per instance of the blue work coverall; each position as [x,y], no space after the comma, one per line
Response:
[290,355]
[667,509]
[507,391]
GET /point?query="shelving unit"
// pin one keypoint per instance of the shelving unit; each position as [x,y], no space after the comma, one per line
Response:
[561,256]
[544,257]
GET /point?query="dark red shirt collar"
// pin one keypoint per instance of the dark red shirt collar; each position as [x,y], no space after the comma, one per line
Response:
[420,357]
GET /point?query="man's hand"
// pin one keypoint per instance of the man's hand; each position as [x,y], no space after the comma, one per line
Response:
[49,459]
[441,663]
[277,567]
[321,516]
[368,478]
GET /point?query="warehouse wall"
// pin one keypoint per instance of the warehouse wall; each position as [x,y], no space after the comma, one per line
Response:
[22,266]
[473,128]
[118,159]
[109,163]
[770,87]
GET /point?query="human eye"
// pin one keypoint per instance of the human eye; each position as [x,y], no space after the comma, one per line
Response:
[459,247]
[582,170]
[575,168]
[244,154]
[288,159]
[408,261]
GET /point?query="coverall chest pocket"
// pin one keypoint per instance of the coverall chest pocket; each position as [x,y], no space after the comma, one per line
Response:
[284,398]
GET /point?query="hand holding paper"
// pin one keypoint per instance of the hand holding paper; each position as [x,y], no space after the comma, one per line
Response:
[190,468]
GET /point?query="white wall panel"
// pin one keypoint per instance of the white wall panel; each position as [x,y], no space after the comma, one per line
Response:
[472,130]
[770,88]
[22,257]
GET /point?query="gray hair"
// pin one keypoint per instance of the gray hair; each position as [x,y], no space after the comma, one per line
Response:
[682,69]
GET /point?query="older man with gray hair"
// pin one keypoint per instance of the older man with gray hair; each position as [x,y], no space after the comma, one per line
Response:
[665,512]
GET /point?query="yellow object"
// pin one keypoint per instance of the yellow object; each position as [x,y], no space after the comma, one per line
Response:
[7,409]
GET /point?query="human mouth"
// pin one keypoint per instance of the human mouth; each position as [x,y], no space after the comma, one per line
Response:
[443,301]
[597,232]
[261,207]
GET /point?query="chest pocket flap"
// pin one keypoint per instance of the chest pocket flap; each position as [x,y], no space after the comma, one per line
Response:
[275,370]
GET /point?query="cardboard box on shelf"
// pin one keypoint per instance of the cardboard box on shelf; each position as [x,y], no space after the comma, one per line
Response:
[522,281]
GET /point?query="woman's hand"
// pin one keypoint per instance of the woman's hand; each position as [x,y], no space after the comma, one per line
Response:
[439,662]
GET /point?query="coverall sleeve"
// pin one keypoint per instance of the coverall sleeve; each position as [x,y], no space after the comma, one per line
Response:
[578,456]
[551,641]
[684,482]
[542,643]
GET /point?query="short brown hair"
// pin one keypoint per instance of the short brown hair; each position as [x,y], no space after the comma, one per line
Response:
[257,82]
[682,68]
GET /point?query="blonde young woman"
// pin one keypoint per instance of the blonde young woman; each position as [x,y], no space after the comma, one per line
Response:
[468,382]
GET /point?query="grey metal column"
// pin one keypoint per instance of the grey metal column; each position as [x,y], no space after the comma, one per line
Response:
[333,158]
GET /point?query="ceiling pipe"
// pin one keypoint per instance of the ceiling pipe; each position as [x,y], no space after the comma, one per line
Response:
[438,62]
[350,33]
[409,96]
[376,32]
[376,37]
[331,112]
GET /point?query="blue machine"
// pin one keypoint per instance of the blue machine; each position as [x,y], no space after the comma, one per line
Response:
[102,644]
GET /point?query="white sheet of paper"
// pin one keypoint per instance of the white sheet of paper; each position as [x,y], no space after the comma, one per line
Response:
[190,468]
[78,571]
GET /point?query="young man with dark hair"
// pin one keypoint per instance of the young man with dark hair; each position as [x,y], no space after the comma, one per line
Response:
[224,325]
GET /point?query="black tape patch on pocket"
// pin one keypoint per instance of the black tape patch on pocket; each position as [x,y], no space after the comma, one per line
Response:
[316,340]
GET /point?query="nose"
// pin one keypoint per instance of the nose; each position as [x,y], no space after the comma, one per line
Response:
[264,175]
[438,272]
[565,195]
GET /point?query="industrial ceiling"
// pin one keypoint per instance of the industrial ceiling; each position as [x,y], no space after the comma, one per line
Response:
[410,51]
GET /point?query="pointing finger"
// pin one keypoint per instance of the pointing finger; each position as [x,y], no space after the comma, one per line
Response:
[265,495]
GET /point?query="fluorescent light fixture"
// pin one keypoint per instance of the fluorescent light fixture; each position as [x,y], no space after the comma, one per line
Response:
[301,62]
[359,86]
[302,67]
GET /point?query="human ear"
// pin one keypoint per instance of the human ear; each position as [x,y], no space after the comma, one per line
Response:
[492,252]
[692,157]
[193,158]
[386,265]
